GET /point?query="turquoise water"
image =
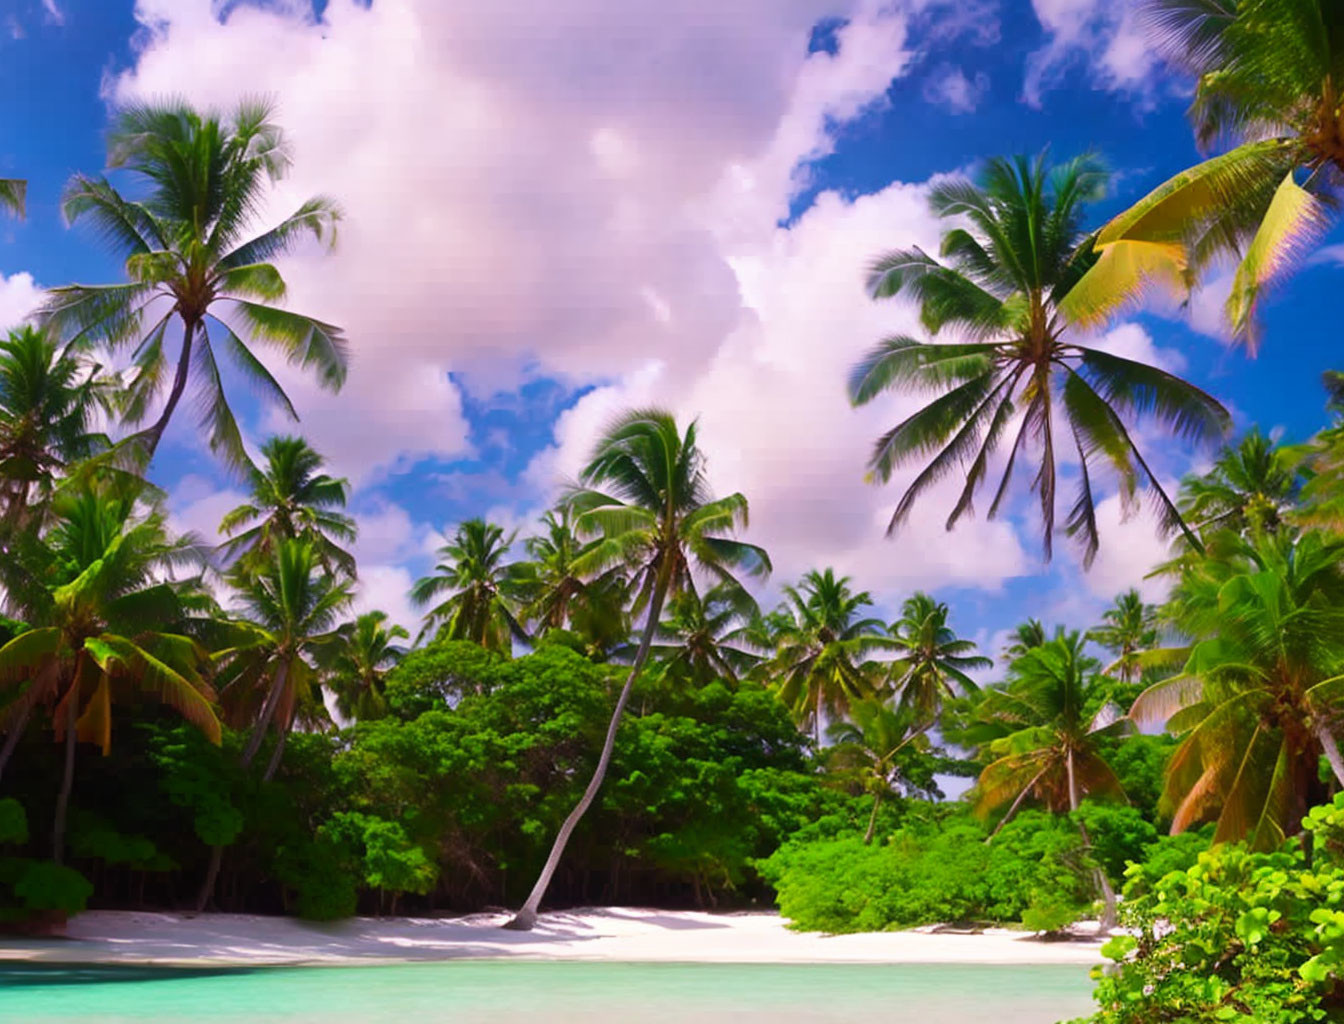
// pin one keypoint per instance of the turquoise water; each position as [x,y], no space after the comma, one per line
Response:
[491,992]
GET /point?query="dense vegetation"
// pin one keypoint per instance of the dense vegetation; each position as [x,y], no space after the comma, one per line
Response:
[602,712]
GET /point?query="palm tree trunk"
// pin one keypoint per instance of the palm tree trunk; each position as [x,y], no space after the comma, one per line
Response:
[1108,915]
[1327,740]
[274,763]
[527,915]
[872,820]
[155,433]
[1017,804]
[67,780]
[15,734]
[267,713]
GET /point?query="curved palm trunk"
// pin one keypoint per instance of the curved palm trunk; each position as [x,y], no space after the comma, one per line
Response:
[872,820]
[1328,744]
[155,433]
[207,890]
[527,915]
[12,740]
[1108,914]
[279,752]
[67,782]
[1017,805]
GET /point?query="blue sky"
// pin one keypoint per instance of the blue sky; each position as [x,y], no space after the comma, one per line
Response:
[554,213]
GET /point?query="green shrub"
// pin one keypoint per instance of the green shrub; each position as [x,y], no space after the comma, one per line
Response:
[43,885]
[13,821]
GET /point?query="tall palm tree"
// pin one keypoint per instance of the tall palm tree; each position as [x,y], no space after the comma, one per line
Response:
[1261,694]
[190,263]
[1048,751]
[483,591]
[291,498]
[871,744]
[656,517]
[357,663]
[102,628]
[1251,482]
[1129,630]
[47,404]
[13,195]
[821,645]
[1002,282]
[933,661]
[703,636]
[1024,637]
[1268,85]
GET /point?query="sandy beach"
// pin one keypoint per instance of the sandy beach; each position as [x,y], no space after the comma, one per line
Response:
[613,934]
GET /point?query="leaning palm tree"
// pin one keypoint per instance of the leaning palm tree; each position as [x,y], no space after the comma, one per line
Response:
[1261,694]
[47,404]
[355,667]
[190,263]
[13,195]
[656,517]
[101,617]
[932,661]
[291,498]
[1269,86]
[870,745]
[1048,751]
[1001,283]
[1251,482]
[818,666]
[484,592]
[1129,630]
[704,636]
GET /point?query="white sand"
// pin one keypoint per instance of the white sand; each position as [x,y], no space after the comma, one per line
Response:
[603,934]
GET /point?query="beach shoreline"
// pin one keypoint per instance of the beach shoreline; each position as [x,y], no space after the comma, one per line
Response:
[612,934]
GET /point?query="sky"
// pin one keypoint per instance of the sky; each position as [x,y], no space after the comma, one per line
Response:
[556,211]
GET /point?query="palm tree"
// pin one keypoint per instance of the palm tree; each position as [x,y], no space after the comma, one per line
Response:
[290,498]
[932,661]
[1268,84]
[558,597]
[656,518]
[483,591]
[1024,637]
[871,743]
[1129,630]
[1002,283]
[47,404]
[1322,466]
[358,661]
[1251,482]
[102,628]
[189,261]
[703,636]
[1261,694]
[13,195]
[1047,750]
[821,643]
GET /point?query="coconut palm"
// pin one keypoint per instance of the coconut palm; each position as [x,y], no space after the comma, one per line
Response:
[484,593]
[290,498]
[821,644]
[703,636]
[1261,695]
[1001,282]
[13,195]
[190,263]
[47,404]
[932,661]
[870,744]
[1268,86]
[1048,751]
[357,663]
[1024,637]
[1252,482]
[655,516]
[1322,466]
[101,624]
[1129,630]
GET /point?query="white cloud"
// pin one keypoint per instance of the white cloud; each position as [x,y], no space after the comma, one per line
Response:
[1131,548]
[54,15]
[387,588]
[950,88]
[196,505]
[20,296]
[1105,35]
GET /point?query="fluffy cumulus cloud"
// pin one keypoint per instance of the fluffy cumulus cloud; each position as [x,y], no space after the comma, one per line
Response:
[20,296]
[949,87]
[1106,34]
[594,191]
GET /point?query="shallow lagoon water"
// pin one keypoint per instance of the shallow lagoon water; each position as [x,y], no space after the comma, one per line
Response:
[492,992]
